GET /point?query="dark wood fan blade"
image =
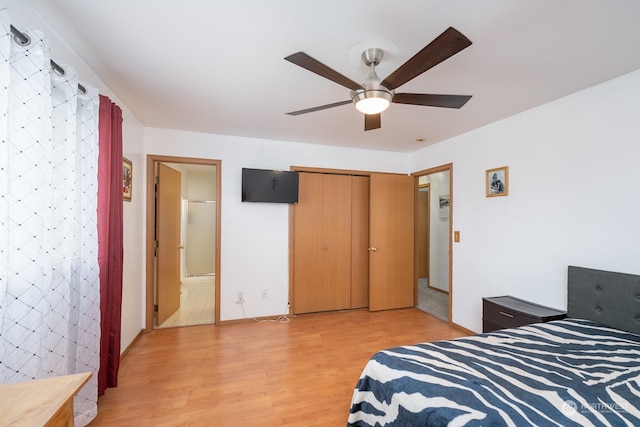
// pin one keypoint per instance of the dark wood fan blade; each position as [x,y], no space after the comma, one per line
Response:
[446,101]
[372,121]
[321,107]
[447,44]
[303,60]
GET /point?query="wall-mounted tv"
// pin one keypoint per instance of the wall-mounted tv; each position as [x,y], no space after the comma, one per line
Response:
[271,186]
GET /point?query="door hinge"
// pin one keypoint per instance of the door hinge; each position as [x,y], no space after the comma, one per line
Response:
[155,308]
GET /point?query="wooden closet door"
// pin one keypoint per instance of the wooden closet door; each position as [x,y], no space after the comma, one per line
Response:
[307,244]
[322,243]
[336,291]
[391,237]
[359,241]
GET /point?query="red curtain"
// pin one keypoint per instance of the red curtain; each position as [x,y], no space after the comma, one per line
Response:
[110,241]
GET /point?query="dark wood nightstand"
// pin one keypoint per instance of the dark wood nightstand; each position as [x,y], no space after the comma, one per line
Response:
[509,312]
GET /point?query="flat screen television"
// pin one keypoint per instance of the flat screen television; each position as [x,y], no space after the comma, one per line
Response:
[271,186]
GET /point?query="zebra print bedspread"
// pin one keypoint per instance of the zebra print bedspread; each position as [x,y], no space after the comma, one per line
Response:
[563,373]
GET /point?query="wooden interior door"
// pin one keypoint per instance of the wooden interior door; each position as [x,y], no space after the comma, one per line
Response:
[168,195]
[391,242]
[422,231]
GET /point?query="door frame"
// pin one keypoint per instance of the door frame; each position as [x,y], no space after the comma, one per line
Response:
[441,168]
[152,159]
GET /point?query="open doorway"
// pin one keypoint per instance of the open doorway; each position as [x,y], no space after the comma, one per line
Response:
[433,241]
[183,242]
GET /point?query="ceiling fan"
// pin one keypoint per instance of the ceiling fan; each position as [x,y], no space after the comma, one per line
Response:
[373,95]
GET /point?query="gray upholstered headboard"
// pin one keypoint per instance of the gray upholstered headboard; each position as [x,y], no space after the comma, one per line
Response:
[610,298]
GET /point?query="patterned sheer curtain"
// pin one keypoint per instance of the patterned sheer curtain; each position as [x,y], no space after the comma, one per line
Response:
[49,276]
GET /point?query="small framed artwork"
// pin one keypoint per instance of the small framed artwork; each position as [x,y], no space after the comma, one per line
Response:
[497,181]
[127,176]
[443,203]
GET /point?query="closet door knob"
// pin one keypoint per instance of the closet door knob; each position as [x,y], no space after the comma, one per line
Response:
[373,249]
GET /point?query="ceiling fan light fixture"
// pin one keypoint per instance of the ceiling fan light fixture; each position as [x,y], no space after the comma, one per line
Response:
[373,96]
[371,101]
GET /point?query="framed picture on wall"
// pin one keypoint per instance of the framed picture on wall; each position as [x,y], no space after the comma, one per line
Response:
[127,176]
[443,207]
[497,181]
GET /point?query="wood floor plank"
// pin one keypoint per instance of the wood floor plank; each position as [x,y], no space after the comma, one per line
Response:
[300,373]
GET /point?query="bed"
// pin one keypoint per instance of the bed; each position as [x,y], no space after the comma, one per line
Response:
[580,371]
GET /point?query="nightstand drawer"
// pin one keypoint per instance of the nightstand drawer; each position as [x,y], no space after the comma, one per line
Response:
[506,317]
[509,312]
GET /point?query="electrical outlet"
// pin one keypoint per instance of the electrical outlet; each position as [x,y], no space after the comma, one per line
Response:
[240,299]
[265,294]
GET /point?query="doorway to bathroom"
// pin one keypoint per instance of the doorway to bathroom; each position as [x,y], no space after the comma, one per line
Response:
[183,241]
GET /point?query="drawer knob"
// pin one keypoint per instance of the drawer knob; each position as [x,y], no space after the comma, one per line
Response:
[506,314]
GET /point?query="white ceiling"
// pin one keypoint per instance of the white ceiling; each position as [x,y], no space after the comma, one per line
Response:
[217,66]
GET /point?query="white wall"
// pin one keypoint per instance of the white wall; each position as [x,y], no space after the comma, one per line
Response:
[23,17]
[255,236]
[574,172]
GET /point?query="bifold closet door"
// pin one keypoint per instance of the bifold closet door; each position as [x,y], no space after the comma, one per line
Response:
[322,243]
[307,244]
[359,241]
[336,250]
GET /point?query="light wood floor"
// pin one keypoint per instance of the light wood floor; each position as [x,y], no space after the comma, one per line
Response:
[300,373]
